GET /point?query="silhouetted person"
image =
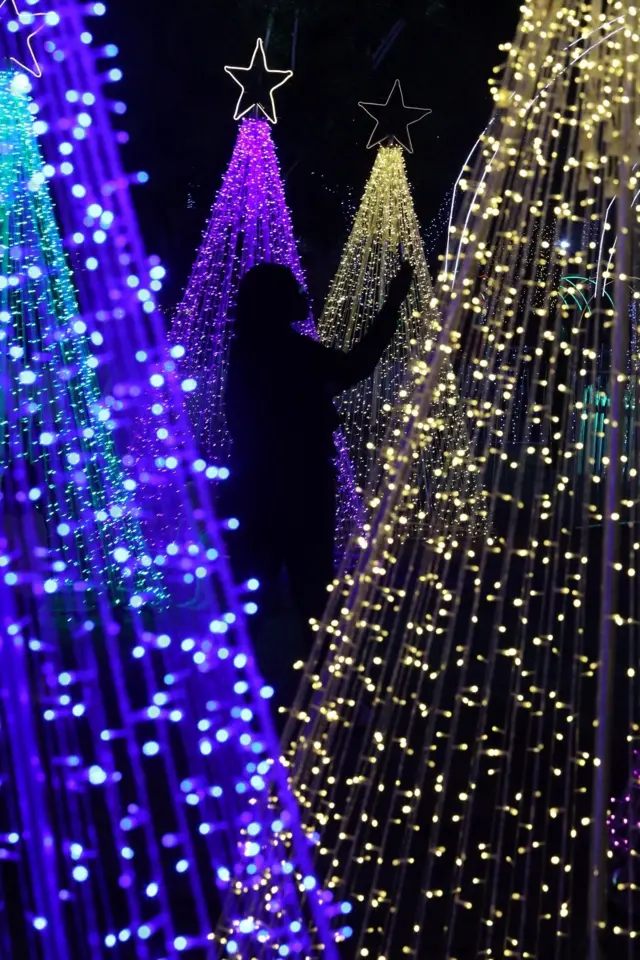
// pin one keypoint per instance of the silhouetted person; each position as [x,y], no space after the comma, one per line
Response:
[281,417]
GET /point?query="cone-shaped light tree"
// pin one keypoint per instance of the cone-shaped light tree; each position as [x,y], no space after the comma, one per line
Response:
[136,746]
[250,223]
[467,712]
[57,455]
[385,230]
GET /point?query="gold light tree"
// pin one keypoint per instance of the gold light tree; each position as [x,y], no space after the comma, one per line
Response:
[385,229]
[470,703]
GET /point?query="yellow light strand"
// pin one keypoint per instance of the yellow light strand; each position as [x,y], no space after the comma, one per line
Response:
[441,484]
[450,742]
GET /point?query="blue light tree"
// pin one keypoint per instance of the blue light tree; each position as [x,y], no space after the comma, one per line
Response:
[138,740]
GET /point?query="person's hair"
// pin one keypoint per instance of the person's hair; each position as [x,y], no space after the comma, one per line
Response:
[267,291]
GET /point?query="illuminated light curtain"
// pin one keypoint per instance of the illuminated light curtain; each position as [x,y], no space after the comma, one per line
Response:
[385,223]
[151,725]
[595,400]
[139,778]
[451,744]
[57,455]
[249,223]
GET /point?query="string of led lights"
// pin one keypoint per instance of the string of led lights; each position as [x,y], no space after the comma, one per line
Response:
[56,450]
[140,780]
[451,741]
[385,228]
[249,223]
[581,290]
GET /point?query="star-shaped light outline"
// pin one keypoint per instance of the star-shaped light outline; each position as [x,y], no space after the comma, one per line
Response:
[423,111]
[285,74]
[18,16]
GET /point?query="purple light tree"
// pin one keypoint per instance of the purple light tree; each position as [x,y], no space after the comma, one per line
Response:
[250,223]
[139,765]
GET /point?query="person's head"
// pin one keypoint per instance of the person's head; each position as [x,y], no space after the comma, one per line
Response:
[270,299]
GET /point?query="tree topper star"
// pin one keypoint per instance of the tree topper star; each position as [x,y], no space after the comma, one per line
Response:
[254,84]
[393,119]
[28,19]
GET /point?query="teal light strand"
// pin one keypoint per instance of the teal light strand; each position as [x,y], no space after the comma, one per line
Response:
[57,451]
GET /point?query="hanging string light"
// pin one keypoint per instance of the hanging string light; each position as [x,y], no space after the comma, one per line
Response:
[451,742]
[57,454]
[143,794]
[385,229]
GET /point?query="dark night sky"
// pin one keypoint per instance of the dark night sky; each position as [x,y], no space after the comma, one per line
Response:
[181,104]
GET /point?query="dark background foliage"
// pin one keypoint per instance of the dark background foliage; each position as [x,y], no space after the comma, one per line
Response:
[181,105]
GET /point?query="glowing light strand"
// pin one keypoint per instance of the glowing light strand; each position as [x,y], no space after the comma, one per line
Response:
[452,740]
[56,446]
[385,224]
[145,753]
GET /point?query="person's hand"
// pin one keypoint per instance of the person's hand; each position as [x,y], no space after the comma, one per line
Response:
[400,286]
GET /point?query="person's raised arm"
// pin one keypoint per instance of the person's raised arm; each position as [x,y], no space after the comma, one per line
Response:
[347,369]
